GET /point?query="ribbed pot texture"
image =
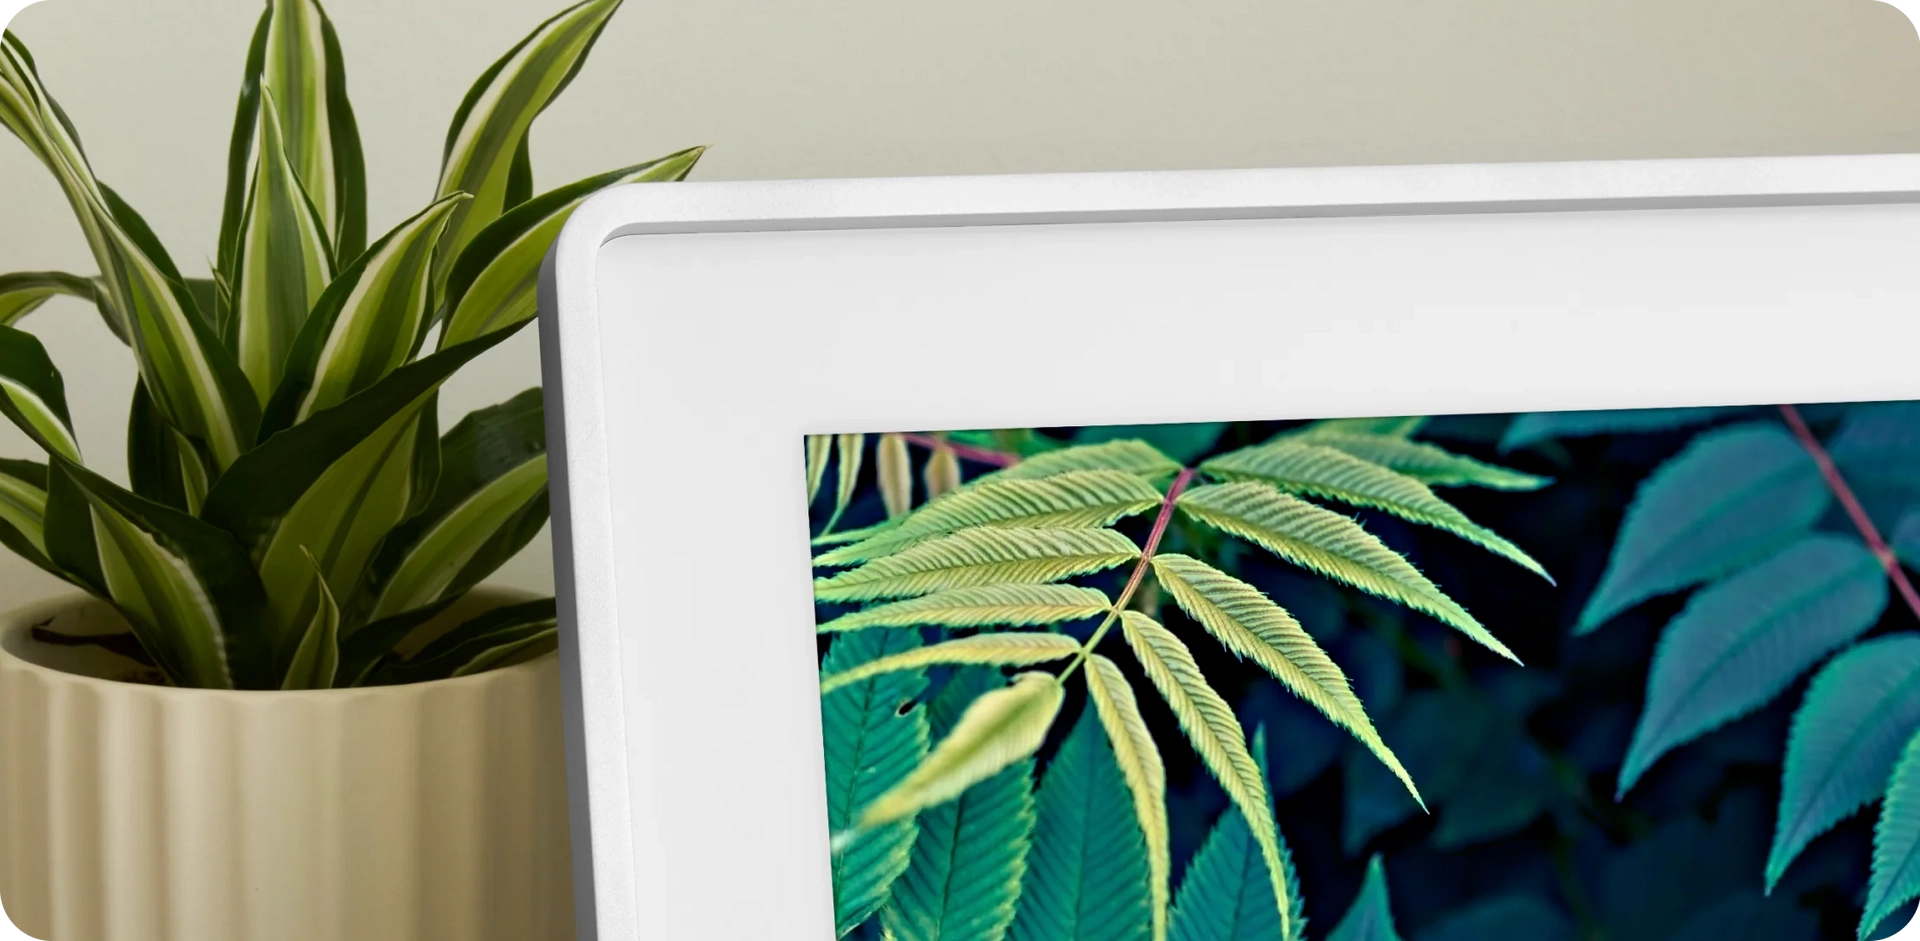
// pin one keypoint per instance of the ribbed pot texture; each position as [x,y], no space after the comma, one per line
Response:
[133,812]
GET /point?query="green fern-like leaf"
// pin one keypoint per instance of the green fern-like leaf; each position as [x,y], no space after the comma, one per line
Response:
[1370,918]
[1129,455]
[1087,871]
[874,736]
[1000,650]
[1395,427]
[1895,879]
[1319,539]
[1846,736]
[1145,773]
[983,606]
[984,556]
[1253,627]
[893,468]
[1216,736]
[1740,642]
[1072,499]
[849,451]
[1000,728]
[1301,466]
[1733,497]
[1430,464]
[1225,895]
[971,853]
[1536,427]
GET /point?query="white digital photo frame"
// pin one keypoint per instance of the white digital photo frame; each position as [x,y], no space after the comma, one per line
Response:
[692,334]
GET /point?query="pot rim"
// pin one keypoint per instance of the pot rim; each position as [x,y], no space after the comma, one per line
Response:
[19,619]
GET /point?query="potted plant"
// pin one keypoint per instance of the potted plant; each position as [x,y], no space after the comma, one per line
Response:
[283,708]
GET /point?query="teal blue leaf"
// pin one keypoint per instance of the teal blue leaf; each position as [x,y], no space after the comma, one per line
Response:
[971,852]
[1734,496]
[1748,916]
[1440,736]
[1183,443]
[875,734]
[1087,870]
[1896,842]
[1858,712]
[1505,918]
[1226,895]
[1897,921]
[1740,642]
[1371,916]
[1508,790]
[1535,427]
[1878,442]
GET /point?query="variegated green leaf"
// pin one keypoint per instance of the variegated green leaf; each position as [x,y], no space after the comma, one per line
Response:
[187,589]
[162,464]
[317,660]
[493,282]
[491,126]
[1217,737]
[1001,727]
[500,637]
[366,324]
[1144,771]
[981,556]
[982,606]
[22,292]
[999,650]
[1250,625]
[1326,542]
[491,498]
[32,395]
[284,262]
[1303,466]
[1070,499]
[296,53]
[23,512]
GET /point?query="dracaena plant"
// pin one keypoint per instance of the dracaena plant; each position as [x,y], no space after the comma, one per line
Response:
[931,776]
[295,511]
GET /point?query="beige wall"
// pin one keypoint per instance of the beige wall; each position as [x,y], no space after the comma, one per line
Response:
[883,87]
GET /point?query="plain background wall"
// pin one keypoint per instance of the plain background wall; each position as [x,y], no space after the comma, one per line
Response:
[892,87]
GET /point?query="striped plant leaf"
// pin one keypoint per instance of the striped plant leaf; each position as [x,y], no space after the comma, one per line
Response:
[493,283]
[296,53]
[849,451]
[1390,426]
[496,638]
[1734,496]
[1536,427]
[22,293]
[1740,642]
[283,261]
[1217,737]
[338,482]
[853,535]
[490,499]
[1000,650]
[1895,878]
[982,606]
[1225,895]
[971,853]
[1131,456]
[162,465]
[998,729]
[1427,463]
[893,468]
[1250,625]
[1859,711]
[32,395]
[23,512]
[489,130]
[819,448]
[875,733]
[1087,872]
[942,473]
[186,588]
[1370,918]
[1303,466]
[317,660]
[366,324]
[1071,499]
[1143,770]
[1323,541]
[981,556]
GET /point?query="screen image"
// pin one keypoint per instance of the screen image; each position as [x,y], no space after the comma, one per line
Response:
[1646,675]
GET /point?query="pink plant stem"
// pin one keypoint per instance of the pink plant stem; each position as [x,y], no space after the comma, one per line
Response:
[981,455]
[1855,511]
[1153,538]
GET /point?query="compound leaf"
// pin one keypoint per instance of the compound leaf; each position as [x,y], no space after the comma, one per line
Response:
[981,556]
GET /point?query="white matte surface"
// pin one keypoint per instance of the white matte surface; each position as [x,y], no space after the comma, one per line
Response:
[693,363]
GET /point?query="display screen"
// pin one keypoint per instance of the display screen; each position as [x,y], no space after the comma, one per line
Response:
[1647,674]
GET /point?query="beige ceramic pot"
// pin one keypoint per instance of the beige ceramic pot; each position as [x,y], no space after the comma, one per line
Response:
[134,812]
